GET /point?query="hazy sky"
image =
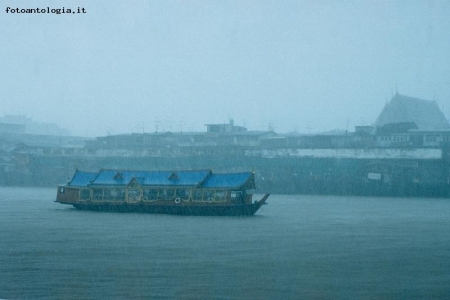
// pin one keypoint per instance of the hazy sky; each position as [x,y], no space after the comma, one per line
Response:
[125,66]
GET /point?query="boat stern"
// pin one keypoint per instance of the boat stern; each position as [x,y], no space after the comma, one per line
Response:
[67,195]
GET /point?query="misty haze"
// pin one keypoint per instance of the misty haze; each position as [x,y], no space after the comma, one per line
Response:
[140,141]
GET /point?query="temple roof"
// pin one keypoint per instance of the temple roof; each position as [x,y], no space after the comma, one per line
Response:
[402,109]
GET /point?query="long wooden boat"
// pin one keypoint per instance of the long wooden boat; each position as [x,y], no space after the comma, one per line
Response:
[162,192]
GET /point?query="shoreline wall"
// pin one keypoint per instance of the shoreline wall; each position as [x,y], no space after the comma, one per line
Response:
[402,175]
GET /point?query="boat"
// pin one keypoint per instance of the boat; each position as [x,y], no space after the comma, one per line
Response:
[190,192]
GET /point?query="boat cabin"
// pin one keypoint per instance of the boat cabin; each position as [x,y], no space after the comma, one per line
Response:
[176,187]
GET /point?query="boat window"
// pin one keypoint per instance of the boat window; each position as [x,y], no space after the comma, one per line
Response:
[182,193]
[197,195]
[134,194]
[150,194]
[97,194]
[208,196]
[220,195]
[85,194]
[62,190]
[235,194]
[166,194]
[114,194]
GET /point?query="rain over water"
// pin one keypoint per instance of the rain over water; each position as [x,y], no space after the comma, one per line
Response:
[296,247]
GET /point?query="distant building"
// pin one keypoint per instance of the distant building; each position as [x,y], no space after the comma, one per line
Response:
[244,138]
[12,128]
[364,130]
[412,113]
[410,122]
[224,128]
[28,126]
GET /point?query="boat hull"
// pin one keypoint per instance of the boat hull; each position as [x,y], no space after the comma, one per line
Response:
[192,210]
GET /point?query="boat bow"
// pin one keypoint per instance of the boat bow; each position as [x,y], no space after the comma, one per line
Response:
[263,200]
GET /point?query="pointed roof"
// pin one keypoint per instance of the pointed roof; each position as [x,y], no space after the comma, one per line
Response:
[81,178]
[173,176]
[403,109]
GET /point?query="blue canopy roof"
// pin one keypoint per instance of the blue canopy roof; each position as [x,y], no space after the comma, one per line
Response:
[200,179]
[155,178]
[81,178]
[236,180]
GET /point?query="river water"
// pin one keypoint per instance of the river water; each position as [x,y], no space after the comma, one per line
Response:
[296,247]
